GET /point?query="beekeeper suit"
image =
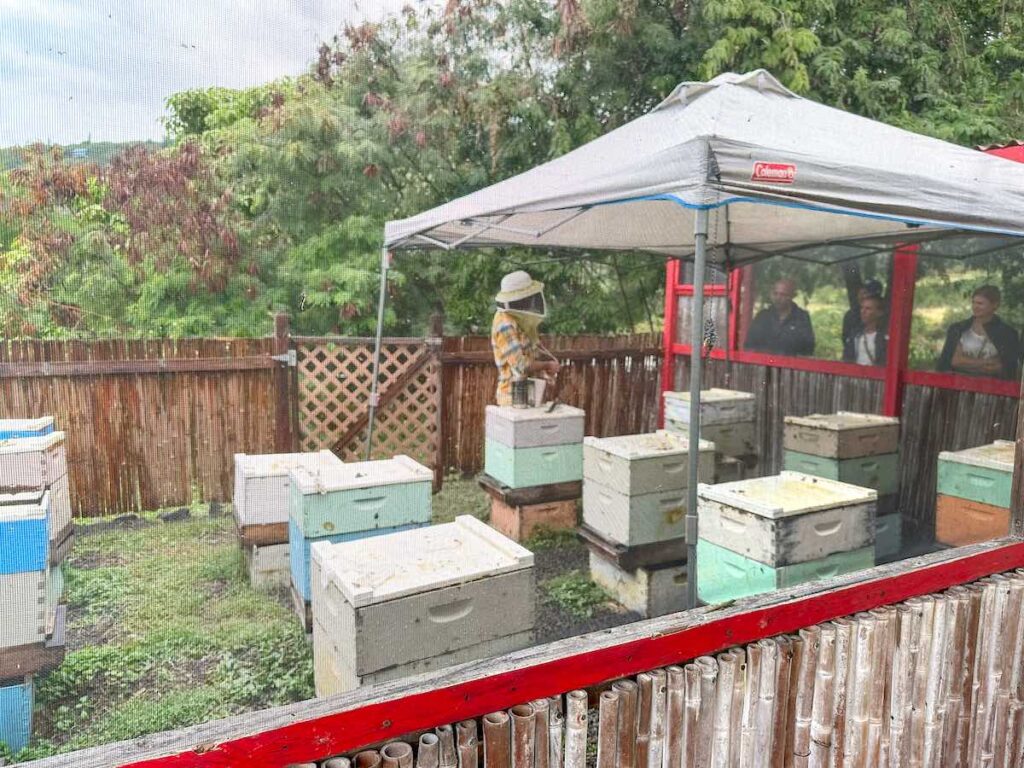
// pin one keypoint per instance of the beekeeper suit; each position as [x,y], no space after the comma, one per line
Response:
[515,333]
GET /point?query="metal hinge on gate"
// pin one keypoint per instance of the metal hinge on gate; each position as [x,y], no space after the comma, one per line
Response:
[290,358]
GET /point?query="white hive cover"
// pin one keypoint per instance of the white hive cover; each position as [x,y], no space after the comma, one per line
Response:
[787,494]
[277,464]
[12,425]
[660,443]
[998,455]
[22,498]
[535,414]
[381,568]
[30,444]
[842,420]
[19,512]
[713,395]
[361,474]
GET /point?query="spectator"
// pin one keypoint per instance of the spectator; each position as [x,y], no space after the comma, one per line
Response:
[783,328]
[982,345]
[868,345]
[851,320]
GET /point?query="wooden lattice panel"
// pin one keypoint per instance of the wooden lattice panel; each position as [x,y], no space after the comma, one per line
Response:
[334,394]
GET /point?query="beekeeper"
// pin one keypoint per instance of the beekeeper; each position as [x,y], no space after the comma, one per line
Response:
[515,334]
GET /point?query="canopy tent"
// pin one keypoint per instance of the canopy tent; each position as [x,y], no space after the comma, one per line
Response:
[738,168]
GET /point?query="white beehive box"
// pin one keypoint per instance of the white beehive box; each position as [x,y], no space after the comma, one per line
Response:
[268,565]
[787,518]
[635,520]
[638,464]
[60,510]
[21,428]
[23,606]
[717,406]
[32,463]
[842,435]
[262,484]
[997,456]
[648,591]
[412,595]
[534,427]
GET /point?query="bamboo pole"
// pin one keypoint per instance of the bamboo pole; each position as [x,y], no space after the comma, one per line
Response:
[645,691]
[984,693]
[974,632]
[428,753]
[576,729]
[783,683]
[904,663]
[396,754]
[934,703]
[556,730]
[739,687]
[468,744]
[674,702]
[447,756]
[880,705]
[368,758]
[497,740]
[750,699]
[823,705]
[659,694]
[764,713]
[541,732]
[729,668]
[705,717]
[803,697]
[691,715]
[338,762]
[919,693]
[523,727]
[627,690]
[859,690]
[841,680]
[608,729]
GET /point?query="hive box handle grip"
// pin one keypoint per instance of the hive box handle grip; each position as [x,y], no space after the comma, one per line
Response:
[453,611]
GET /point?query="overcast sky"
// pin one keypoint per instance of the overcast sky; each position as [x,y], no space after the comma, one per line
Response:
[75,69]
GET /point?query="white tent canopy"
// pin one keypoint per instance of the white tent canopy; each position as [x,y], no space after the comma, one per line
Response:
[763,161]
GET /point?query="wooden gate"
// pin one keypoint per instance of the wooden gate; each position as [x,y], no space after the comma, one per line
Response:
[335,376]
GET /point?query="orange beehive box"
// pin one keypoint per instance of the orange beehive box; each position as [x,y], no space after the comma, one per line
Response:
[521,522]
[962,521]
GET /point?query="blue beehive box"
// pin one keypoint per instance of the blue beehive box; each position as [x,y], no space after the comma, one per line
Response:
[14,428]
[24,532]
[16,703]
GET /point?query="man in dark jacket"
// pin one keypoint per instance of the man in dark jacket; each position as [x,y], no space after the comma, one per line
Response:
[982,345]
[869,344]
[783,328]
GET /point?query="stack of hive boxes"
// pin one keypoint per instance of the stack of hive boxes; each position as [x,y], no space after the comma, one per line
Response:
[973,502]
[350,502]
[773,532]
[634,516]
[533,467]
[416,601]
[260,504]
[35,535]
[856,448]
[727,419]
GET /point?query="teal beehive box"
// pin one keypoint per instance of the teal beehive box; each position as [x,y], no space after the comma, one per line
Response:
[526,467]
[362,496]
[876,472]
[726,575]
[982,474]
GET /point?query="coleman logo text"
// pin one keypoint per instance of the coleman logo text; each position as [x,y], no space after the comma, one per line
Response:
[774,173]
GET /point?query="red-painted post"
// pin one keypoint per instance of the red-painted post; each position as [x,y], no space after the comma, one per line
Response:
[671,316]
[901,311]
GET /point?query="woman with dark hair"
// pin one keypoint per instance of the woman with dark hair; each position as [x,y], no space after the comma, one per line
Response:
[983,345]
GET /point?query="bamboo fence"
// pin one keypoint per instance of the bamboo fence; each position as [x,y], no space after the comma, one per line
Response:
[935,681]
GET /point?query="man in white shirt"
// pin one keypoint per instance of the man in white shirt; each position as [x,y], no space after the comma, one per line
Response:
[869,345]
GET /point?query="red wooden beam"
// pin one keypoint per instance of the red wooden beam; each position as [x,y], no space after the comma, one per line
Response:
[709,632]
[981,385]
[901,315]
[814,365]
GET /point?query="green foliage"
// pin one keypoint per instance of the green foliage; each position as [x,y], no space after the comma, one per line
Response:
[576,593]
[546,538]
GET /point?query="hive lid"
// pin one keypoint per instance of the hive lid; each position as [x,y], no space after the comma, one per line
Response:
[786,494]
[842,420]
[25,425]
[381,568]
[360,474]
[660,443]
[278,464]
[31,444]
[998,456]
[713,395]
[560,411]
[15,509]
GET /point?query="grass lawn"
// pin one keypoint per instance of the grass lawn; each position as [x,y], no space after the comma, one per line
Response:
[164,630]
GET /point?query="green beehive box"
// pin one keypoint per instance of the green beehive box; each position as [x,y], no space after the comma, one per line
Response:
[725,575]
[527,467]
[361,496]
[876,472]
[982,474]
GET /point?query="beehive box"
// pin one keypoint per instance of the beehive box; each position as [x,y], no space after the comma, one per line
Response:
[24,608]
[880,473]
[521,522]
[717,406]
[526,467]
[24,532]
[962,521]
[736,439]
[982,474]
[16,702]
[534,427]
[634,520]
[641,464]
[268,565]
[396,599]
[648,591]
[262,492]
[32,463]
[842,435]
[11,429]
[60,515]
[787,518]
[726,575]
[888,536]
[360,496]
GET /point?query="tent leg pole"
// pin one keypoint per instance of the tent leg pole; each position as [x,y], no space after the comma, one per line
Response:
[700,239]
[374,383]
